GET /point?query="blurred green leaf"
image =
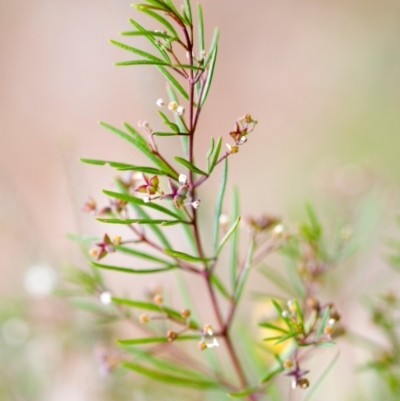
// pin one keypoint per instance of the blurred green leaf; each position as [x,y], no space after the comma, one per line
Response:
[134,271]
[321,378]
[170,379]
[245,392]
[219,203]
[271,374]
[152,34]
[227,236]
[243,277]
[154,308]
[162,222]
[215,281]
[280,281]
[167,122]
[173,82]
[137,51]
[185,256]
[323,321]
[272,327]
[188,11]
[234,244]
[148,340]
[139,254]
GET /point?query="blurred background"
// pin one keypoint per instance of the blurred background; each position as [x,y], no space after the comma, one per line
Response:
[322,78]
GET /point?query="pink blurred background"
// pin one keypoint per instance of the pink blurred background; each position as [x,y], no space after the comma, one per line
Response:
[322,78]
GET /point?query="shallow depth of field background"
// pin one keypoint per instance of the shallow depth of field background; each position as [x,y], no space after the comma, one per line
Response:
[322,78]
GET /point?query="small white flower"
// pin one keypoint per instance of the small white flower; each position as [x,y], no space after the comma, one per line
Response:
[160,103]
[331,322]
[223,219]
[182,179]
[180,110]
[196,203]
[243,140]
[278,230]
[106,298]
[294,383]
[285,314]
[146,199]
[213,344]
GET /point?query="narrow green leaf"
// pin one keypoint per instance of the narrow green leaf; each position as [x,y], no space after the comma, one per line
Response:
[322,323]
[154,308]
[210,75]
[219,203]
[188,11]
[321,378]
[170,379]
[243,277]
[200,26]
[189,165]
[151,40]
[165,133]
[213,45]
[220,286]
[267,325]
[234,244]
[170,124]
[160,4]
[140,254]
[124,166]
[137,201]
[133,271]
[286,337]
[174,10]
[228,235]
[216,154]
[140,221]
[173,82]
[152,34]
[271,374]
[325,344]
[137,51]
[158,17]
[244,393]
[299,313]
[185,256]
[210,151]
[140,62]
[148,340]
[188,67]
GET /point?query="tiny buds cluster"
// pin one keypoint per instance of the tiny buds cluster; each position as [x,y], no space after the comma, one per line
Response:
[158,299]
[202,345]
[177,194]
[144,318]
[291,306]
[185,313]
[89,206]
[207,329]
[102,248]
[298,379]
[263,222]
[151,185]
[116,240]
[182,179]
[243,126]
[146,126]
[172,106]
[106,298]
[172,335]
[312,304]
